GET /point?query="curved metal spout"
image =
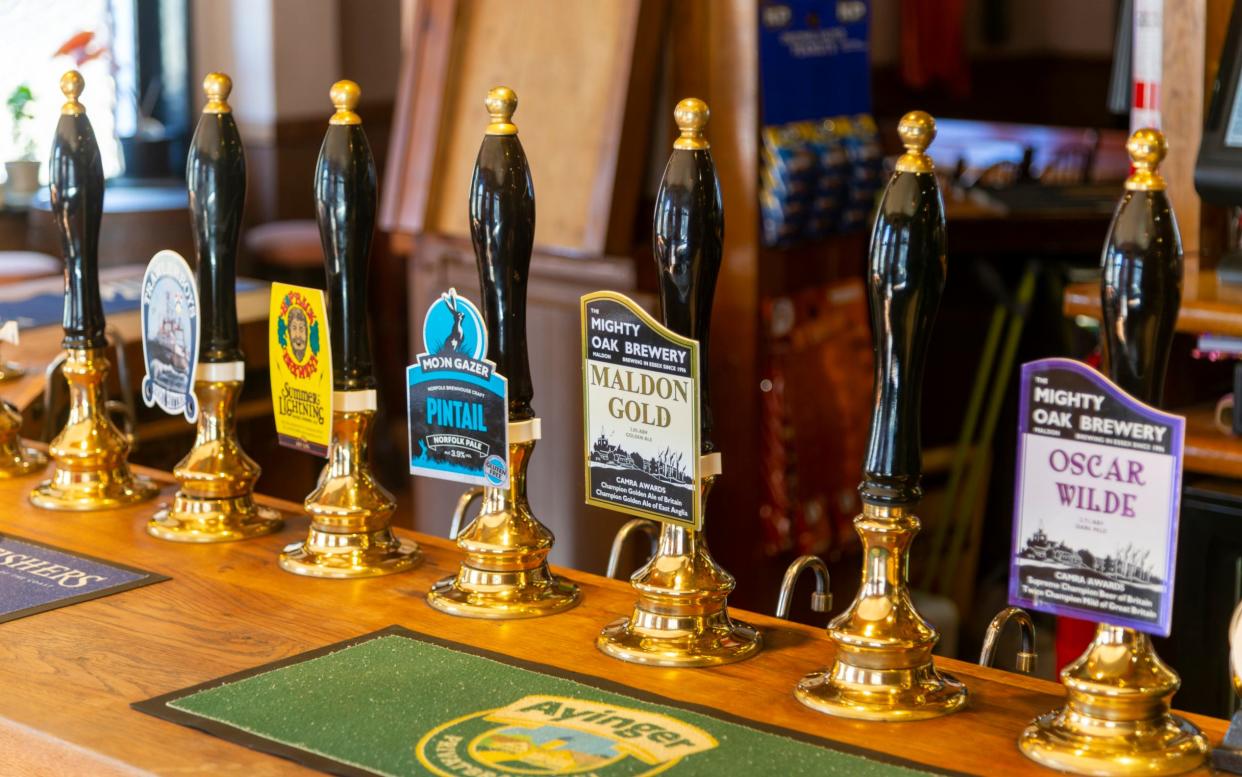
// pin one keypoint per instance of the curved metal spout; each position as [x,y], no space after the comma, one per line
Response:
[463,504]
[821,600]
[618,542]
[1025,662]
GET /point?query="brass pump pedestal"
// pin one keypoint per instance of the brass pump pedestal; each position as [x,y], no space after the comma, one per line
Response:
[216,500]
[90,471]
[15,459]
[350,536]
[1116,719]
[10,370]
[681,618]
[883,667]
[505,573]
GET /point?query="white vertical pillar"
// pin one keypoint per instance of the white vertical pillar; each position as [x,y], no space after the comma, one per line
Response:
[282,55]
[1147,63]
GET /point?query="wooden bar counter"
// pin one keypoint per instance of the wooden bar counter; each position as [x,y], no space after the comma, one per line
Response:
[1207,306]
[41,345]
[69,675]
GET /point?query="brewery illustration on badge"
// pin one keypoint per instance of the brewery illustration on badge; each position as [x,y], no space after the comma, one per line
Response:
[170,335]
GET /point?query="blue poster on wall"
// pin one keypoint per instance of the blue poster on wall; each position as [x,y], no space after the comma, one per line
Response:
[814,59]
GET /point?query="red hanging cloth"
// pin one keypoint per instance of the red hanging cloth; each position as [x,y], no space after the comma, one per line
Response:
[933,44]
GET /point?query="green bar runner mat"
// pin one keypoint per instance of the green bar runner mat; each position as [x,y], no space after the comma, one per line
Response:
[398,703]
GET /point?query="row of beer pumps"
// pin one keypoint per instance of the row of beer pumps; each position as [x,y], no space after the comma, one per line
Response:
[1116,720]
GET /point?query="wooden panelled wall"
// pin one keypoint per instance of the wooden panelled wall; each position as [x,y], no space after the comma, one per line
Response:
[1182,112]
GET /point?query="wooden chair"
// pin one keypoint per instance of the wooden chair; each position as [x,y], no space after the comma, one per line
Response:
[287,251]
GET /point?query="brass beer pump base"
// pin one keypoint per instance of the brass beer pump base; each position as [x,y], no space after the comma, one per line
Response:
[477,593]
[349,535]
[215,502]
[350,555]
[214,520]
[505,573]
[90,471]
[883,668]
[1172,745]
[681,618]
[83,491]
[883,695]
[10,371]
[16,459]
[1116,719]
[689,641]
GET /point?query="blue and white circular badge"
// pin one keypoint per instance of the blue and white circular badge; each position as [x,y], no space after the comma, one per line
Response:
[496,470]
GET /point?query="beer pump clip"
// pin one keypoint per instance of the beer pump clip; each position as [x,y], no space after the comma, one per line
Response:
[681,617]
[89,455]
[215,502]
[882,668]
[505,572]
[15,458]
[1116,719]
[350,534]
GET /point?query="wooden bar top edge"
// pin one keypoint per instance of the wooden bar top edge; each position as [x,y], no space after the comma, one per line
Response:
[71,674]
[1207,306]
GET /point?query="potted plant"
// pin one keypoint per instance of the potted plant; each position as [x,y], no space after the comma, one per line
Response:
[22,172]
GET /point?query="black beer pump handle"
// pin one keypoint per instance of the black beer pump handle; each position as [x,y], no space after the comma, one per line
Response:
[215,175]
[76,187]
[502,228]
[905,279]
[688,238]
[1141,283]
[345,192]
